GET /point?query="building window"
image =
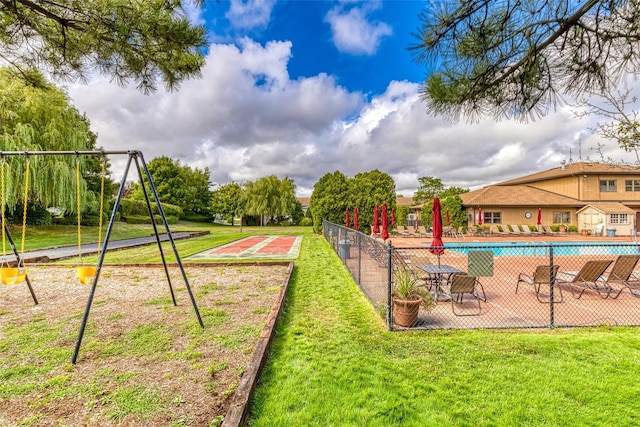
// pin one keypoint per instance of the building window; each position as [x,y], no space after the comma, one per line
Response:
[608,186]
[492,217]
[632,184]
[562,217]
[618,219]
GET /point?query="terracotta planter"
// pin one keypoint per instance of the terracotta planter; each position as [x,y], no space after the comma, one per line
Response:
[405,312]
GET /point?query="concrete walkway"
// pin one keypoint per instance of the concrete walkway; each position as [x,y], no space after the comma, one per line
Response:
[63,252]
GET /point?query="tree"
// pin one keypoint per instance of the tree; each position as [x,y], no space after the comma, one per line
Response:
[269,197]
[502,58]
[42,119]
[178,185]
[428,188]
[329,199]
[144,41]
[402,212]
[226,199]
[368,189]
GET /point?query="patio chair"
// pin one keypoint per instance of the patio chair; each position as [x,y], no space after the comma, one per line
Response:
[515,230]
[505,230]
[587,278]
[403,259]
[597,230]
[540,277]
[621,277]
[461,284]
[526,230]
[422,231]
[402,231]
[548,231]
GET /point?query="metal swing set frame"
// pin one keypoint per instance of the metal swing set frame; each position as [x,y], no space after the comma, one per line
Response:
[137,159]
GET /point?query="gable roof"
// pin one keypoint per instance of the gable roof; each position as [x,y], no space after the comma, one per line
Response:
[578,168]
[404,201]
[516,195]
[609,207]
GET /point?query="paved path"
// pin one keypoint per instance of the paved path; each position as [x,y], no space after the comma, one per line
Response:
[52,254]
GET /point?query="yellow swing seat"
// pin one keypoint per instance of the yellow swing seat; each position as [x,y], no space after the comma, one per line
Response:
[85,274]
[22,275]
[9,275]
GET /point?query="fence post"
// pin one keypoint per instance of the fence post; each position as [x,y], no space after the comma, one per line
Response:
[359,246]
[552,280]
[389,303]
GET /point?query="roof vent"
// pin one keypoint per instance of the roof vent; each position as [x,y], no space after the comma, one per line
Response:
[563,163]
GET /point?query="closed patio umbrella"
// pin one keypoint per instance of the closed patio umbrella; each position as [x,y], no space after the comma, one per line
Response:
[385,222]
[437,247]
[393,218]
[376,220]
[479,216]
[448,219]
[346,218]
[355,219]
[539,218]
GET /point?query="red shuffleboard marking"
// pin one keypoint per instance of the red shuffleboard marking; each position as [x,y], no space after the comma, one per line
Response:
[279,246]
[240,246]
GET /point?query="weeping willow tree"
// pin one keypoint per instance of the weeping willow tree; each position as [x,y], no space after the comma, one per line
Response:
[40,118]
[269,197]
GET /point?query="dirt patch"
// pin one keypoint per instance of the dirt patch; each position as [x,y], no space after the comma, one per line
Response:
[143,361]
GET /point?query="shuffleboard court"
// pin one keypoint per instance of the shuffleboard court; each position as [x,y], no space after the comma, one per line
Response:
[278,247]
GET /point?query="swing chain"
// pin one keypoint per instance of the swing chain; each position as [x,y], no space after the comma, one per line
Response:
[24,207]
[78,207]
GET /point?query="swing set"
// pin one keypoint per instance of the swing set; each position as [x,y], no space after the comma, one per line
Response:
[86,274]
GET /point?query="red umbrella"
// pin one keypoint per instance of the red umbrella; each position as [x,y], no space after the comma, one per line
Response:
[346,218]
[376,225]
[479,216]
[393,218]
[448,220]
[385,222]
[355,219]
[437,247]
[539,216]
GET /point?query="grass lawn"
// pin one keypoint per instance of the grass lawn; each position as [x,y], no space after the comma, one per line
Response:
[334,363]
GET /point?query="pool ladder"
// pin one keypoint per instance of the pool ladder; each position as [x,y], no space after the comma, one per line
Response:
[535,247]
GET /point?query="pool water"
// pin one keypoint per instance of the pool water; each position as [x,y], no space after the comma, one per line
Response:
[543,248]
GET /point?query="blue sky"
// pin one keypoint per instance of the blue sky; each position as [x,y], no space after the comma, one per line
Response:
[305,88]
[363,44]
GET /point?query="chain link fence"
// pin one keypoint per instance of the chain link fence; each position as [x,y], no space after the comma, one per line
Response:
[475,284]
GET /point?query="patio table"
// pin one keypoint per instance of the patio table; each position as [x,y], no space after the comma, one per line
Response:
[440,270]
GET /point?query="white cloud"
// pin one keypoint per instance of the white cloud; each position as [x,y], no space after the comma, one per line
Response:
[353,33]
[250,14]
[246,118]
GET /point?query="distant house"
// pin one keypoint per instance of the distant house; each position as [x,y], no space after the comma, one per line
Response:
[587,195]
[304,201]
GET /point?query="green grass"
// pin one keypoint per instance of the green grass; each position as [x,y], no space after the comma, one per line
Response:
[334,363]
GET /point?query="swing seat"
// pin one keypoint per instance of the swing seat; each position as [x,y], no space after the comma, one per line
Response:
[22,276]
[9,275]
[86,274]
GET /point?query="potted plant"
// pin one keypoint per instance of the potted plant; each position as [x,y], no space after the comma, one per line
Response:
[407,297]
[562,228]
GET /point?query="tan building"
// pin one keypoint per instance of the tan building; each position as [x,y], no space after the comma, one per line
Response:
[590,196]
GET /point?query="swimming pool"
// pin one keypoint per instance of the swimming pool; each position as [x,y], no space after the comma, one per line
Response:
[544,248]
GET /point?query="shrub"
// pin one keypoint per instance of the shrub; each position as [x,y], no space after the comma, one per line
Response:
[306,222]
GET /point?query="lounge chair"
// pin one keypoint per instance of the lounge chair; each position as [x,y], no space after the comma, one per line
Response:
[402,231]
[588,278]
[541,276]
[515,230]
[621,278]
[548,231]
[505,230]
[422,231]
[461,284]
[526,230]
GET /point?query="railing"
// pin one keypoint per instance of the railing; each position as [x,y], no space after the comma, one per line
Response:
[534,284]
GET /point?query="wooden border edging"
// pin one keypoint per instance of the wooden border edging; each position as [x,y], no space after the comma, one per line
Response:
[239,406]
